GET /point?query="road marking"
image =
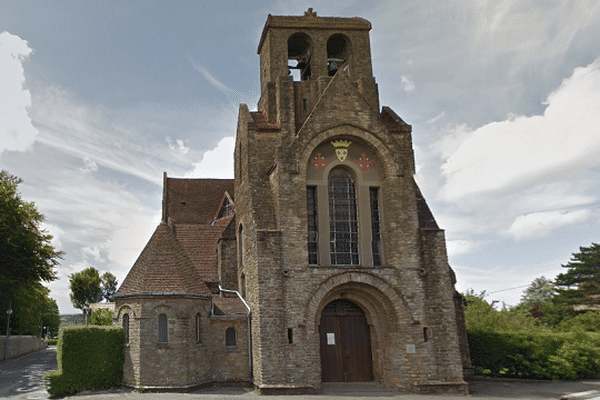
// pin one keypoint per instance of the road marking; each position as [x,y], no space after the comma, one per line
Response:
[581,394]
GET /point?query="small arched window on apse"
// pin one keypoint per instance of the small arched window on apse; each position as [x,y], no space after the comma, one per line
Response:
[230,337]
[338,48]
[299,56]
[343,219]
[163,328]
[198,328]
[126,327]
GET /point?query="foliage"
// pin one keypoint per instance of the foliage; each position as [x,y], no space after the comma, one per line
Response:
[52,341]
[88,286]
[33,310]
[482,316]
[27,257]
[89,357]
[101,317]
[109,286]
[85,288]
[588,321]
[540,291]
[536,354]
[582,279]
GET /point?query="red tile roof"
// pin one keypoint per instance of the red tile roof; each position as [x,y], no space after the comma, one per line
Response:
[193,201]
[163,267]
[200,244]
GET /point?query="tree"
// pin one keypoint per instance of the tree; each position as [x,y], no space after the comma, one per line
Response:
[540,291]
[27,257]
[85,288]
[109,286]
[88,286]
[482,316]
[101,317]
[581,283]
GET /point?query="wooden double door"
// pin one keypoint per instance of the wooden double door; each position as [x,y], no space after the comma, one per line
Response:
[345,343]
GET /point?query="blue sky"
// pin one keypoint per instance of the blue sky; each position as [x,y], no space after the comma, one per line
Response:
[98,98]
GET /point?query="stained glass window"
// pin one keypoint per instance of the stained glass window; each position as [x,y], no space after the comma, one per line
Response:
[313,235]
[343,220]
[375,226]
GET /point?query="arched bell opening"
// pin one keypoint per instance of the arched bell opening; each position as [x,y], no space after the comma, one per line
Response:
[299,56]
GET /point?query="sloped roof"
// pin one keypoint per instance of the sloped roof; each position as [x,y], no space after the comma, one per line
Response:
[200,244]
[193,201]
[163,267]
[426,220]
[229,306]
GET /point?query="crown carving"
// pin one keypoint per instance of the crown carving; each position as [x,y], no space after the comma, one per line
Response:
[341,143]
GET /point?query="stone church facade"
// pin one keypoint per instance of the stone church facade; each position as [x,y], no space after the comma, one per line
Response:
[320,261]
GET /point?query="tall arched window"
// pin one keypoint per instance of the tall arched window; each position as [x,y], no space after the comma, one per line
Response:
[198,328]
[343,219]
[126,327]
[163,329]
[230,337]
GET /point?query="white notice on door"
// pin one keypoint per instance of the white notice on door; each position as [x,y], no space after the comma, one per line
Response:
[331,339]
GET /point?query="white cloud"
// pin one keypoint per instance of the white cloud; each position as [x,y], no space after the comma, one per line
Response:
[522,150]
[89,166]
[17,133]
[540,224]
[216,163]
[456,248]
[407,84]
[177,146]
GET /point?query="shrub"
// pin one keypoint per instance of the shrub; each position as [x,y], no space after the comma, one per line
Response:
[52,341]
[536,354]
[89,357]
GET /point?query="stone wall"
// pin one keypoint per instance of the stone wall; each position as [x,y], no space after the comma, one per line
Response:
[182,361]
[20,344]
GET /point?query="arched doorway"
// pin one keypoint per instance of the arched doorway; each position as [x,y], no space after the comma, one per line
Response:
[345,343]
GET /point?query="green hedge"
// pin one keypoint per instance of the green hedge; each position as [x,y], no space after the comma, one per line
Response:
[52,342]
[89,357]
[536,354]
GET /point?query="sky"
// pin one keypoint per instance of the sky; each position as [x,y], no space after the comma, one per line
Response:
[98,99]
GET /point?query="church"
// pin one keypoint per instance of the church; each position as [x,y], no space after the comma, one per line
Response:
[319,262]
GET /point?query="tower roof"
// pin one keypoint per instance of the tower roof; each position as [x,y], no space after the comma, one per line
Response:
[310,21]
[163,268]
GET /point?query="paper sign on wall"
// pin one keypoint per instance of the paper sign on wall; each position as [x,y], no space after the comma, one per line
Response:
[331,339]
[410,349]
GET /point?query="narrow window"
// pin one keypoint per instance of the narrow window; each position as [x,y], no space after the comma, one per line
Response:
[375,226]
[241,247]
[126,327]
[304,105]
[163,331]
[290,336]
[198,329]
[313,234]
[343,220]
[243,285]
[230,337]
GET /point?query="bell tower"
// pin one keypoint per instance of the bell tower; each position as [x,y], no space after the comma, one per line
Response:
[298,57]
[339,256]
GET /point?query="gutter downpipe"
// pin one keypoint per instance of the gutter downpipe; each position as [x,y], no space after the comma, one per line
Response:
[249,326]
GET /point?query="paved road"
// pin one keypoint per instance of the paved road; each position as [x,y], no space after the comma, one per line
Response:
[21,378]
